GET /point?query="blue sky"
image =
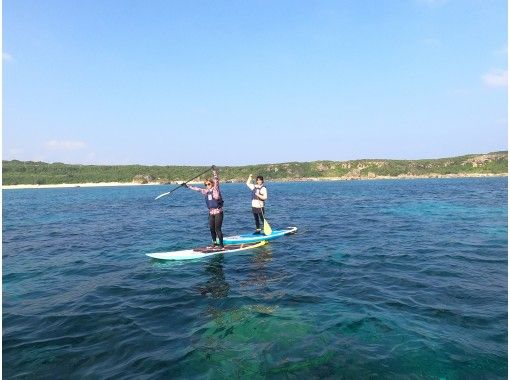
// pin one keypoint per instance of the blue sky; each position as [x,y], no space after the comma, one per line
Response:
[234,83]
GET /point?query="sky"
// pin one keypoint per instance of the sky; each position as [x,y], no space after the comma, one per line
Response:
[249,82]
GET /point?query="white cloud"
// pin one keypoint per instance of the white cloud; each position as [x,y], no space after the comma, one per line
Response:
[64,145]
[6,57]
[496,78]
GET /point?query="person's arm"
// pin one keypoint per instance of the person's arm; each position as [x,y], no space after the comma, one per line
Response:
[216,185]
[199,189]
[249,184]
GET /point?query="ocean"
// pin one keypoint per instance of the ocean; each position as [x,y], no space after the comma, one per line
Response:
[386,279]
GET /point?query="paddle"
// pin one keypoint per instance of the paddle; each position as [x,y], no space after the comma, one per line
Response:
[182,184]
[267,228]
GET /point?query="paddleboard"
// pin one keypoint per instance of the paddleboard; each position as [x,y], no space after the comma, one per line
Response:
[198,253]
[252,238]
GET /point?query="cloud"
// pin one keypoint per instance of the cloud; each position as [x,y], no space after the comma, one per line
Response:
[496,78]
[6,57]
[64,145]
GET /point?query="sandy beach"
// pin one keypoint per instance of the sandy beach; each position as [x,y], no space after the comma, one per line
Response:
[99,184]
[106,184]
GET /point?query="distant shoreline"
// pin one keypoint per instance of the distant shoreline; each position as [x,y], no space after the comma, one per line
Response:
[19,174]
[321,179]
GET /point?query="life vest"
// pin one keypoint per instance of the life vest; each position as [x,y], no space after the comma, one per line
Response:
[254,191]
[211,201]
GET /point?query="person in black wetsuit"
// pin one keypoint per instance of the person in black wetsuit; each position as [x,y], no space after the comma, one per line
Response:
[214,202]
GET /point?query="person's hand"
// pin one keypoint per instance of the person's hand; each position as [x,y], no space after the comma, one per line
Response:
[249,176]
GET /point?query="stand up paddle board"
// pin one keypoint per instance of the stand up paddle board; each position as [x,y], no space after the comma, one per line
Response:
[252,238]
[198,253]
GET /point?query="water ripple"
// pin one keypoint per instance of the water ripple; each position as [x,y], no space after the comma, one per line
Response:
[385,279]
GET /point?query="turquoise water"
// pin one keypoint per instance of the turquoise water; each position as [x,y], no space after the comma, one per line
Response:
[385,279]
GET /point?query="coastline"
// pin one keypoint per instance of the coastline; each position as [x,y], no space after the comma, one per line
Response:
[324,179]
[68,185]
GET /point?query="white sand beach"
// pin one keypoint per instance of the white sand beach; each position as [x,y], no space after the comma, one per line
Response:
[99,184]
[173,183]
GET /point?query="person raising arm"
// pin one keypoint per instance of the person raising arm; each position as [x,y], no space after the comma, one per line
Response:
[258,198]
[214,202]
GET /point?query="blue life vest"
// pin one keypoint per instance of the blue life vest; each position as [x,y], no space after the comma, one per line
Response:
[254,191]
[211,201]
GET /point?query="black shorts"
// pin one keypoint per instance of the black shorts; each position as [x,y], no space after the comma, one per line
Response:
[257,210]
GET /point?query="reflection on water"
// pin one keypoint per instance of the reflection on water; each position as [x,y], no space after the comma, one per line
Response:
[256,269]
[216,286]
[256,274]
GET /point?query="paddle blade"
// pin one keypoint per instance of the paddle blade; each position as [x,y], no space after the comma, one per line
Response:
[161,195]
[267,228]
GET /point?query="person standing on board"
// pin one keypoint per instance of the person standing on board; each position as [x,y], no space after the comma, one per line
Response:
[258,196]
[214,203]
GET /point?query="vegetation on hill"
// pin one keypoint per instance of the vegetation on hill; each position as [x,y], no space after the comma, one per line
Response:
[28,172]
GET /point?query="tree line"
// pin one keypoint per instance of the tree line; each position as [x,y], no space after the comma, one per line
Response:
[16,172]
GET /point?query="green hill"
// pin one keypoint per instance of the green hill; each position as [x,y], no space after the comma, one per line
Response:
[28,172]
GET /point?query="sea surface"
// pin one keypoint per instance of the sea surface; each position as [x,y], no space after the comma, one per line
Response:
[386,279]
